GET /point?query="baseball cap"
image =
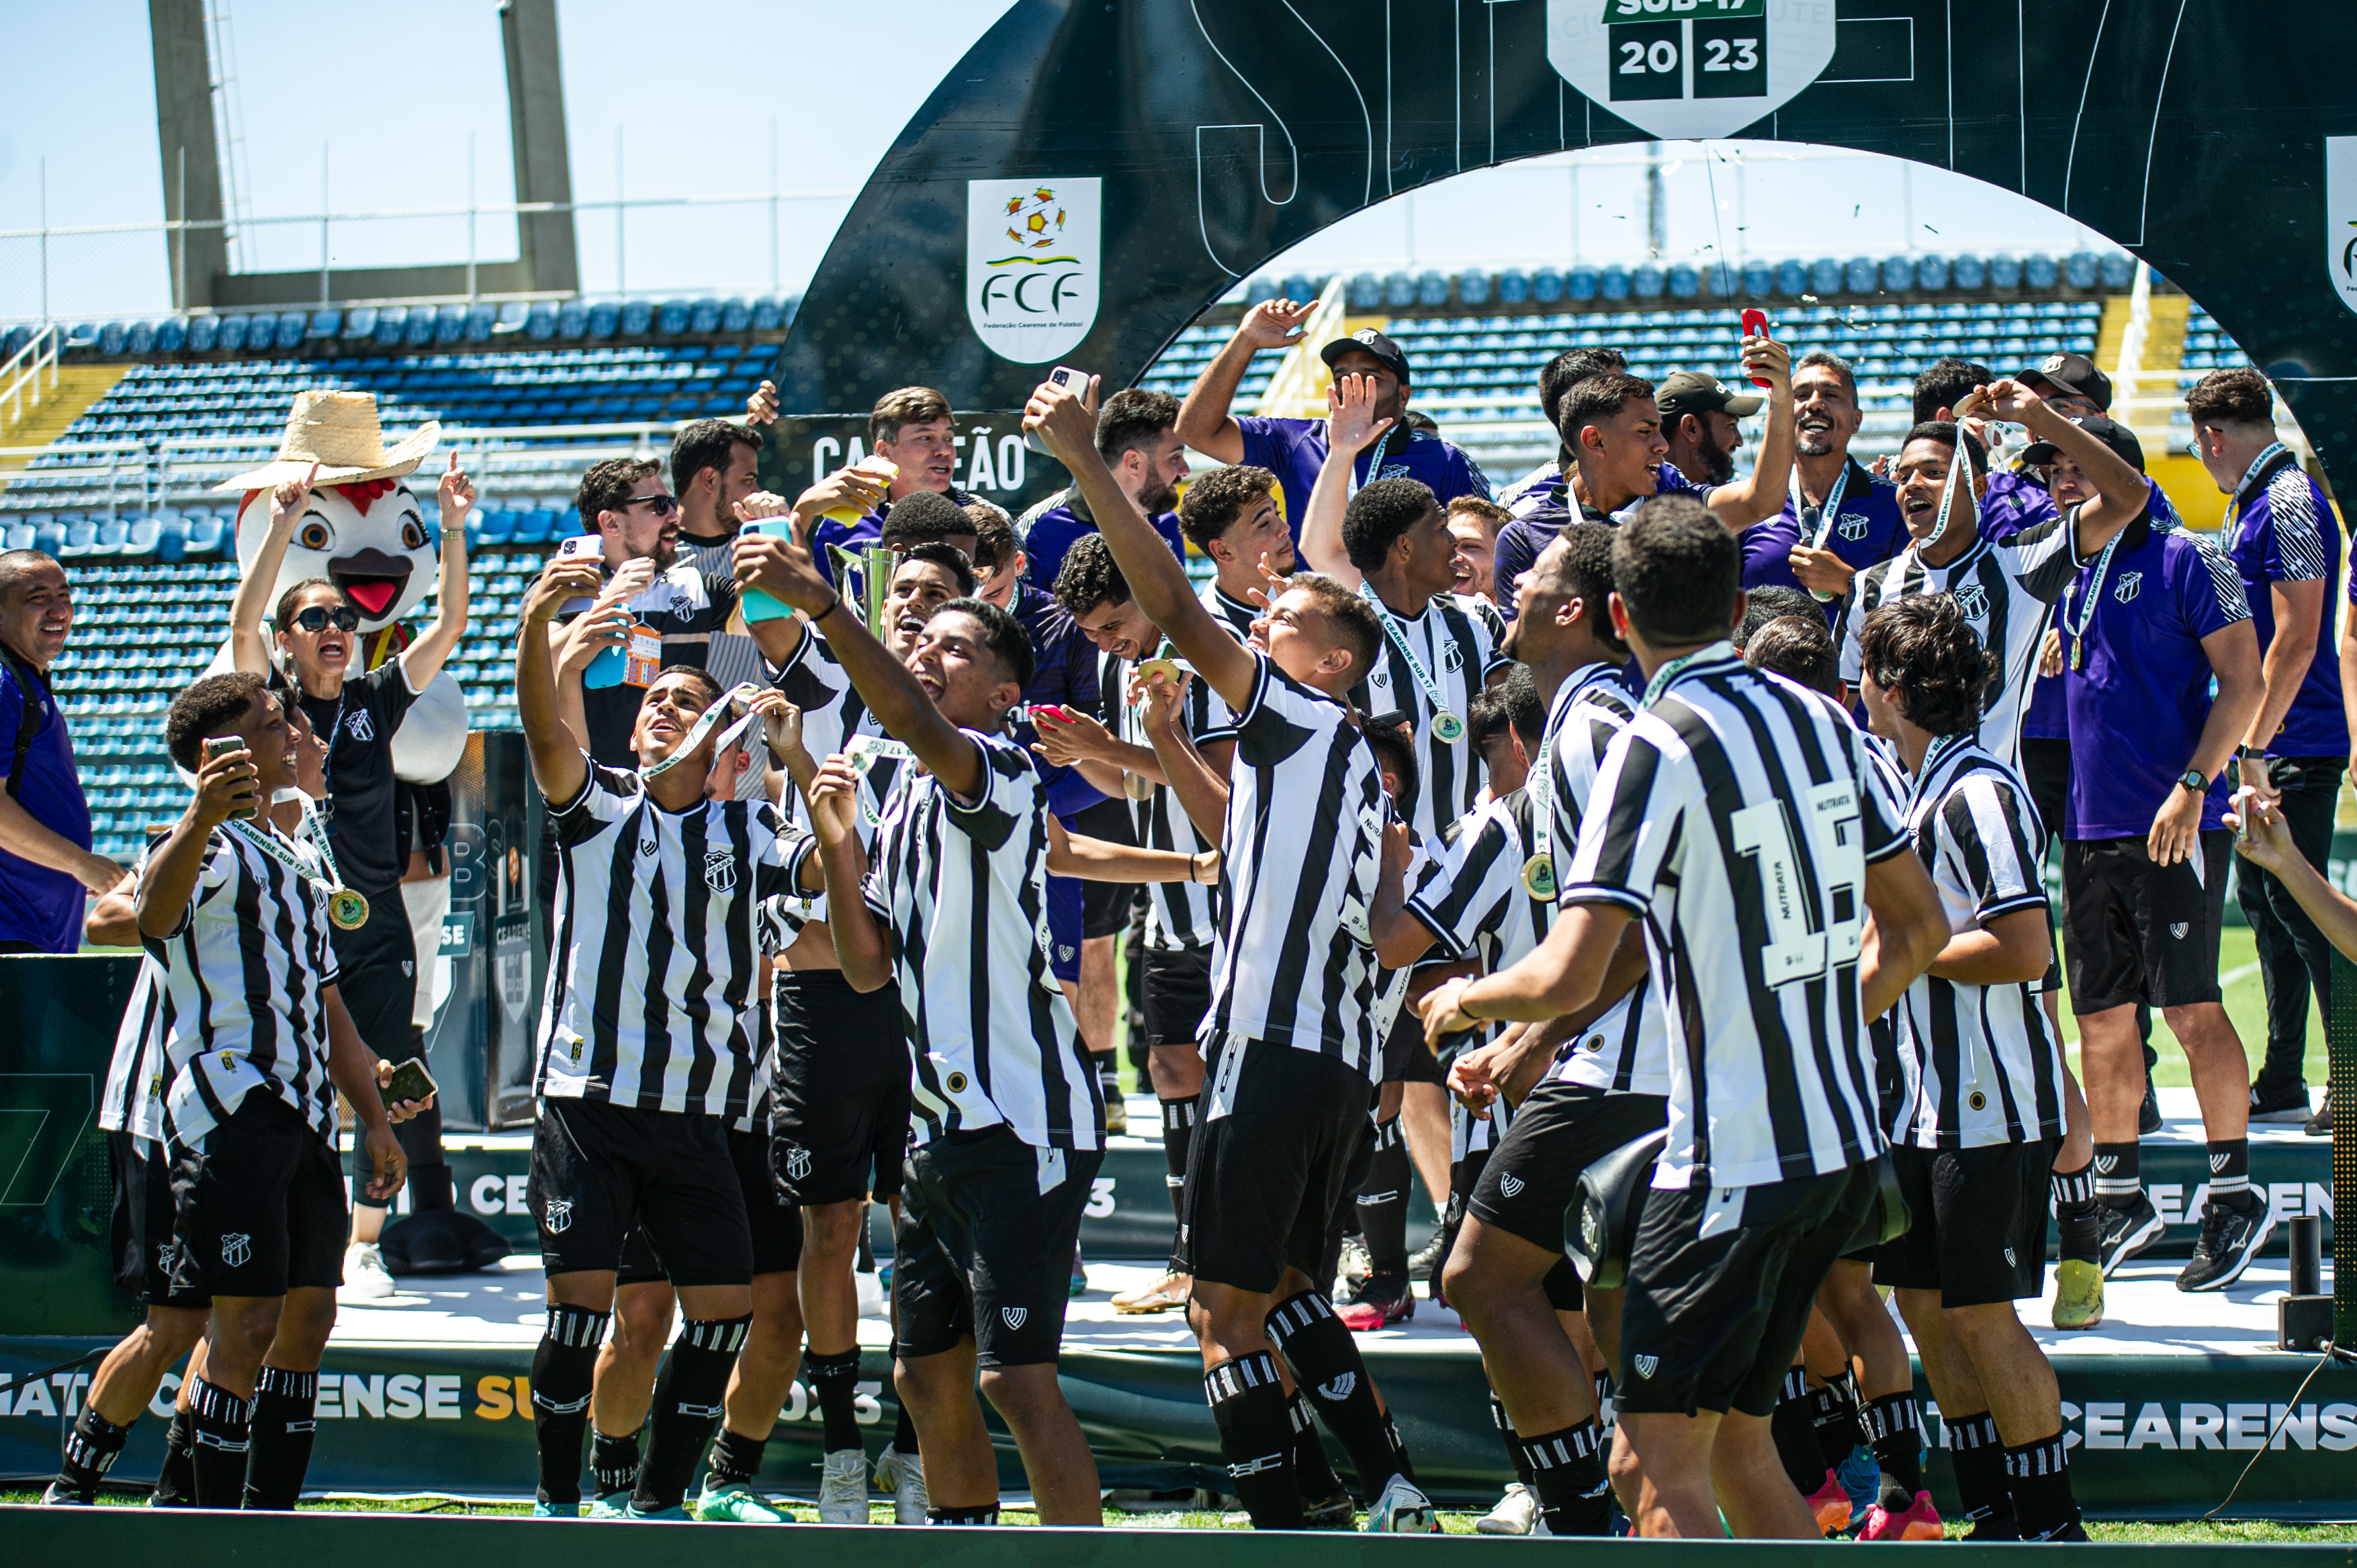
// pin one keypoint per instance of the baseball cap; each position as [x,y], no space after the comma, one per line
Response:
[2074,374]
[2116,436]
[1691,391]
[1367,340]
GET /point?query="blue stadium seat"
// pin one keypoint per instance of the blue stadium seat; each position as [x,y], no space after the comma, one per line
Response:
[490,527]
[291,327]
[532,527]
[479,321]
[140,340]
[325,324]
[2083,269]
[603,319]
[80,539]
[172,538]
[449,324]
[205,537]
[736,316]
[2039,271]
[573,320]
[359,323]
[672,318]
[638,315]
[1683,282]
[1648,281]
[20,536]
[143,537]
[540,322]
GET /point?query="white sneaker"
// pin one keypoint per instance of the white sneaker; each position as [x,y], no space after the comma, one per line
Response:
[1516,1512]
[905,1474]
[1401,1511]
[843,1488]
[365,1278]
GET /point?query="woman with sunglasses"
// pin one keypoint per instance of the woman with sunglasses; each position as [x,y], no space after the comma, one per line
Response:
[356,711]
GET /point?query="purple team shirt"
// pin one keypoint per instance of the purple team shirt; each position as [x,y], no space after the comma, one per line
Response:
[1541,507]
[1295,449]
[1867,530]
[2283,531]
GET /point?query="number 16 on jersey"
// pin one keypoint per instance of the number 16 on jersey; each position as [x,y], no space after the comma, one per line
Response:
[1687,48]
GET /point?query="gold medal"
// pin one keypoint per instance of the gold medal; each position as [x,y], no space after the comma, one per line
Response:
[1447,728]
[1538,876]
[348,909]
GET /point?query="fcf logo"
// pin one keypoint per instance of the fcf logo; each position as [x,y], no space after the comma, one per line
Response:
[1032,249]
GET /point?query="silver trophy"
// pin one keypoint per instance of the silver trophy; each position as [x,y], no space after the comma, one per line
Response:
[871,566]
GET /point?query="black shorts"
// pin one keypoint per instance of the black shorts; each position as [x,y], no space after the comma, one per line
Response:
[1407,1058]
[1713,1322]
[1976,1223]
[1176,994]
[776,1225]
[377,975]
[142,1224]
[258,1205]
[1561,1283]
[1275,1130]
[1105,906]
[598,1169]
[2134,931]
[1560,1131]
[982,1251]
[2046,768]
[839,1096]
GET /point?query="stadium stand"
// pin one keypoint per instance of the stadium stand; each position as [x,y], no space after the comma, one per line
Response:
[572,380]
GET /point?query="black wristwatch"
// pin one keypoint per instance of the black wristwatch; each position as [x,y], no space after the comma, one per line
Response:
[2193,778]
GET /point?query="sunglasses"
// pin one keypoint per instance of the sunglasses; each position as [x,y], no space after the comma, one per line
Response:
[663,505]
[320,618]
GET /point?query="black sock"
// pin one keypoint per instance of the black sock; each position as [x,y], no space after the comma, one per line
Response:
[1257,1437]
[614,1462]
[2119,1175]
[282,1427]
[986,1514]
[1514,1455]
[2229,1173]
[835,1380]
[1383,1202]
[2077,1216]
[225,1425]
[1793,1428]
[689,1396]
[1109,1076]
[91,1448]
[1328,1368]
[904,1433]
[2038,1475]
[1833,1413]
[735,1456]
[1569,1468]
[1893,1428]
[1983,1490]
[563,1367]
[175,1481]
[1178,1142]
[1313,1473]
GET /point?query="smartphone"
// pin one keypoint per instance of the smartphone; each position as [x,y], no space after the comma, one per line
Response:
[221,746]
[574,549]
[1755,324]
[410,1081]
[1071,381]
[759,605]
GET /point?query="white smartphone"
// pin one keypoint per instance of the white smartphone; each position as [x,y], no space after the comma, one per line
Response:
[1071,381]
[574,549]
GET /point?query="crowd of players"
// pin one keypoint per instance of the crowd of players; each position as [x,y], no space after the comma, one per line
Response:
[1669,823]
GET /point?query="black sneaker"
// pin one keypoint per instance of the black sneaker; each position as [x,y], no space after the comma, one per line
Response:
[1381,1300]
[2127,1232]
[59,1495]
[2279,1102]
[2230,1239]
[2074,1530]
[1425,1264]
[2321,1124]
[1337,1512]
[2148,1113]
[1989,1525]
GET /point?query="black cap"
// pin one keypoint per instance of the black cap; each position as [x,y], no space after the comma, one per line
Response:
[1691,391]
[2116,436]
[1367,340]
[2072,374]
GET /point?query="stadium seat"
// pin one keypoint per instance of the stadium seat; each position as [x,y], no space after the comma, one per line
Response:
[603,319]
[736,316]
[638,315]
[143,537]
[672,318]
[171,539]
[140,340]
[540,322]
[532,527]
[19,536]
[288,333]
[325,324]
[478,323]
[490,527]
[205,537]
[80,540]
[573,320]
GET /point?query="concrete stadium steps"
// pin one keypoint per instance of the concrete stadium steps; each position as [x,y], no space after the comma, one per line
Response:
[78,387]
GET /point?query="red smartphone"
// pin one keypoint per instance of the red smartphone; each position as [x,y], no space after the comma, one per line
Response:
[1755,324]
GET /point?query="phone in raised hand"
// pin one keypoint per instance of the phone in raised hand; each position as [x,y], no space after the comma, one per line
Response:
[1071,381]
[220,745]
[578,547]
[1755,324]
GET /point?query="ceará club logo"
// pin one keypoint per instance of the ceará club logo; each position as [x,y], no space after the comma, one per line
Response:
[1032,254]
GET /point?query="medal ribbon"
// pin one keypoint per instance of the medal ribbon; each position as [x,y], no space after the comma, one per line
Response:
[2235,508]
[1826,514]
[1959,466]
[1399,640]
[1671,671]
[270,844]
[1932,756]
[705,723]
[2088,601]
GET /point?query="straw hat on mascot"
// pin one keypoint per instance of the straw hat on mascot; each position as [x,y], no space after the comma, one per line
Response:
[365,532]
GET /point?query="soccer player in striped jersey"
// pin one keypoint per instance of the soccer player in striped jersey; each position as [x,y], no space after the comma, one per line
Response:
[1736,815]
[1292,1016]
[1983,1070]
[646,1048]
[1010,1129]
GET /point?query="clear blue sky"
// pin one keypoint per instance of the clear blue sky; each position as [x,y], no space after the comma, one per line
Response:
[693,91]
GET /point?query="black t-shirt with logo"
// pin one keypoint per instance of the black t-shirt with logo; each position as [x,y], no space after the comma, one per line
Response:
[684,607]
[363,818]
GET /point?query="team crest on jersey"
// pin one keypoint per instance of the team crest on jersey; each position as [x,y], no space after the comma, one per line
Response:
[1972,599]
[236,1248]
[1853,526]
[1452,657]
[798,1162]
[720,870]
[1340,1389]
[359,727]
[2131,584]
[1646,1365]
[1014,1316]
[558,1219]
[647,846]
[168,1254]
[1511,1185]
[1395,472]
[2178,929]
[1064,953]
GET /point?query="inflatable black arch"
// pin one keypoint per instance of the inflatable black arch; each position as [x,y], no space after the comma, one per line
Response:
[1095,173]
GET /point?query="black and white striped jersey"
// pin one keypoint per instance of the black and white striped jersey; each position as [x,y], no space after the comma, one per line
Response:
[962,886]
[1980,1063]
[1236,615]
[243,972]
[654,950]
[1470,894]
[833,714]
[1456,638]
[1736,817]
[1470,1134]
[137,1074]
[1295,963]
[1178,914]
[2006,591]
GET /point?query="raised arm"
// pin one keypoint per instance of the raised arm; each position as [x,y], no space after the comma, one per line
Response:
[862,946]
[1204,422]
[226,784]
[1760,494]
[1350,428]
[423,658]
[1200,781]
[558,764]
[784,570]
[1066,424]
[249,645]
[2121,494]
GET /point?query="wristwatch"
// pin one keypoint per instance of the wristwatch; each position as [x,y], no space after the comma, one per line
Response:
[2194,780]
